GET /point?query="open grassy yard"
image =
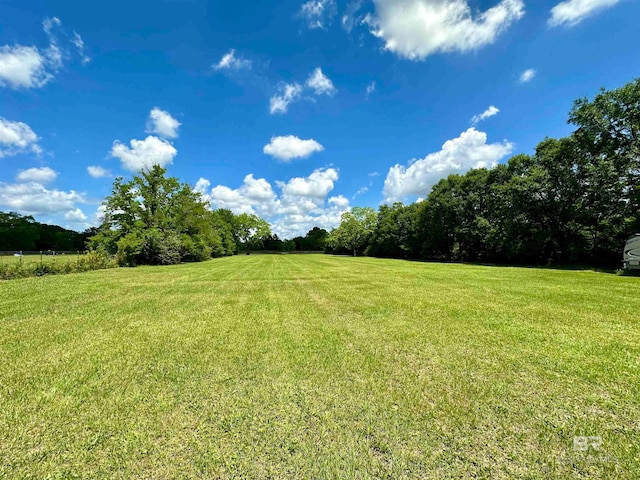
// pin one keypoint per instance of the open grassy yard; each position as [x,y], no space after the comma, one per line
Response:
[69,257]
[294,366]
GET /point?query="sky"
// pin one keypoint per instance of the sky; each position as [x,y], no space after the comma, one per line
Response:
[295,111]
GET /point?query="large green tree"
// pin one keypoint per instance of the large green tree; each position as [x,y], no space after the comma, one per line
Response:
[155,219]
[355,230]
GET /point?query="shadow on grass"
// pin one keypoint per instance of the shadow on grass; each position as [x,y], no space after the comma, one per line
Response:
[570,267]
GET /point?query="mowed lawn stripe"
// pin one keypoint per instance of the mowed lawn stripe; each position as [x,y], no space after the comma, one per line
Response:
[314,366]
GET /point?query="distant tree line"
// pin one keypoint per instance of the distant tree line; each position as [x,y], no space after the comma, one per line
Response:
[22,232]
[574,201]
[313,241]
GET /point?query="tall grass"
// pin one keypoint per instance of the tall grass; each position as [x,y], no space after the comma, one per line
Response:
[38,266]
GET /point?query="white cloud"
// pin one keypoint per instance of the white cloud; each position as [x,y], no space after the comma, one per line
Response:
[143,154]
[489,112]
[29,67]
[469,150]
[98,172]
[229,61]
[415,29]
[370,89]
[22,67]
[289,147]
[301,205]
[79,43]
[98,216]
[320,83]
[317,81]
[255,195]
[289,93]
[17,137]
[339,201]
[572,12]
[316,185]
[349,19]
[34,199]
[318,13]
[162,123]
[75,216]
[40,175]
[527,75]
[48,24]
[360,191]
[201,186]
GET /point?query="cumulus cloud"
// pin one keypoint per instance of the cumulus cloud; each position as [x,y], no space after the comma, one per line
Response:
[316,185]
[572,12]
[229,61]
[320,83]
[22,66]
[75,216]
[30,67]
[144,154]
[415,29]
[98,172]
[40,175]
[318,13]
[469,150]
[289,93]
[33,198]
[255,195]
[489,112]
[289,147]
[527,75]
[162,123]
[201,186]
[301,204]
[339,201]
[17,137]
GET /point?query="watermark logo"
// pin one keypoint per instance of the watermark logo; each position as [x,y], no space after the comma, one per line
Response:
[585,444]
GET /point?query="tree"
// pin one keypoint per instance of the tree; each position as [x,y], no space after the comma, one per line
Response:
[18,232]
[251,230]
[154,219]
[396,232]
[355,230]
[608,137]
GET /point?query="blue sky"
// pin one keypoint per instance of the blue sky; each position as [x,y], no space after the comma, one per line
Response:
[292,110]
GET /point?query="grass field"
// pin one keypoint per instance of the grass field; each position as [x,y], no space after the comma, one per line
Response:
[38,258]
[291,366]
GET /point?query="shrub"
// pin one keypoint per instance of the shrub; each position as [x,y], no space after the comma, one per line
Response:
[160,248]
[129,247]
[91,261]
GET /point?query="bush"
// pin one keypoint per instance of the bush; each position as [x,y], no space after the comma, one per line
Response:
[129,247]
[194,249]
[91,261]
[160,248]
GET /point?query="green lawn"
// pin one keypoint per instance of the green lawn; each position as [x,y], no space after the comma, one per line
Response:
[39,258]
[312,366]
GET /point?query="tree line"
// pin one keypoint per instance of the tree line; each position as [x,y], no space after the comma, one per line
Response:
[23,233]
[574,201]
